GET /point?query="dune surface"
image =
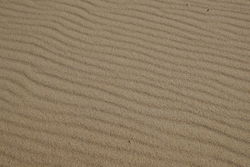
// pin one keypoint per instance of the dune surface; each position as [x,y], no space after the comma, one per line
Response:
[124,83]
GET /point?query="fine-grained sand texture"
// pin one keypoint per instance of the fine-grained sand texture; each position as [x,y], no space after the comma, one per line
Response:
[124,83]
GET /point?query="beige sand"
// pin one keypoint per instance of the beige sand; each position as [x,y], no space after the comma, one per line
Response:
[133,83]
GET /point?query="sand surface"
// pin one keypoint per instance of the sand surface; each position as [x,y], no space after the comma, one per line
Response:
[124,83]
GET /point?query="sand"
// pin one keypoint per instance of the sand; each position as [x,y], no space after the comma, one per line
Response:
[124,83]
